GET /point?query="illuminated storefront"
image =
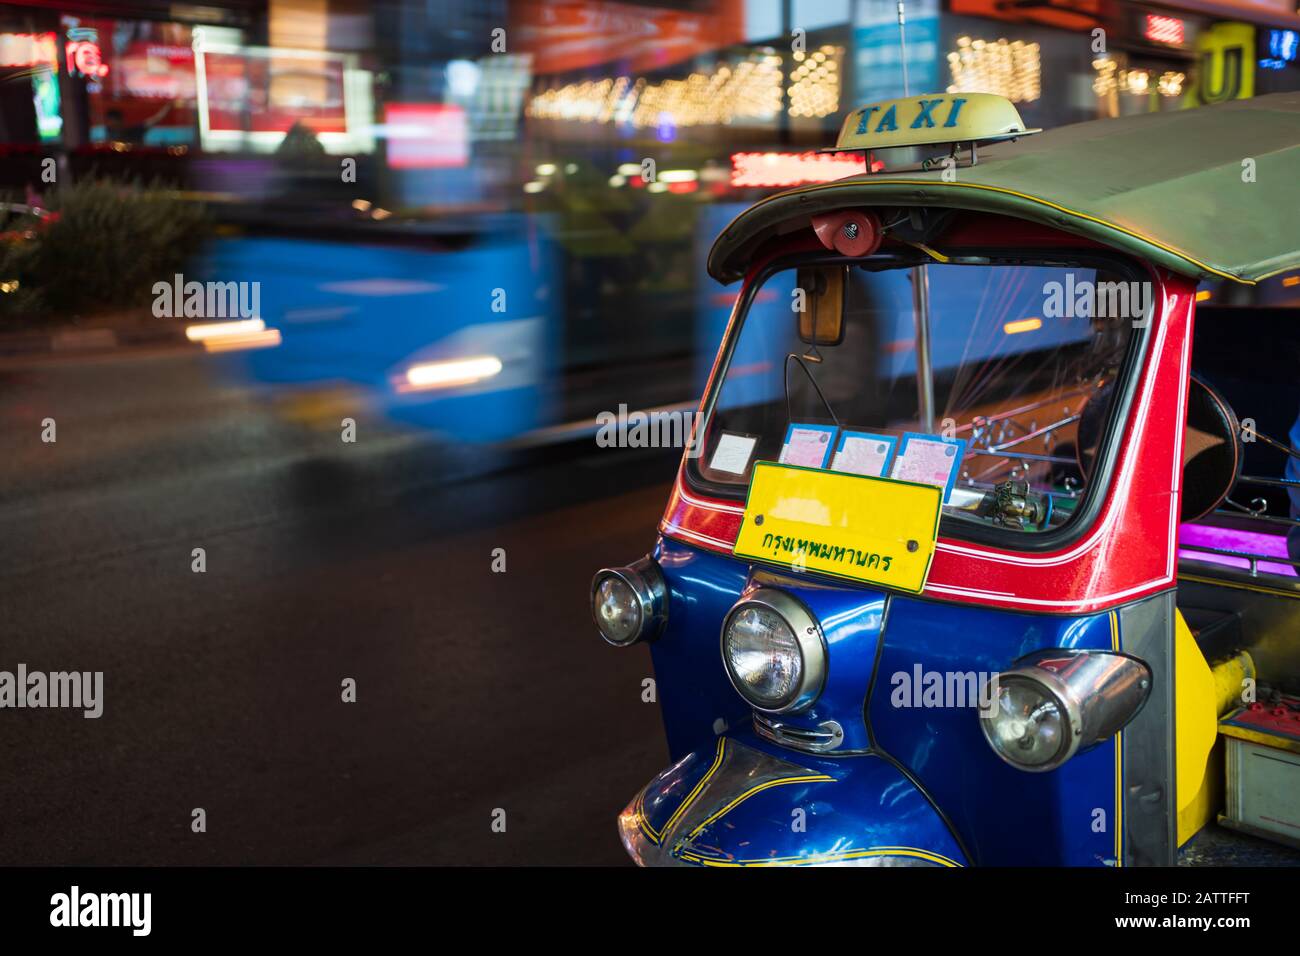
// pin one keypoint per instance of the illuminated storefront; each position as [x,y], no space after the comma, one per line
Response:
[75,78]
[260,99]
[1117,59]
[727,108]
[136,77]
[697,76]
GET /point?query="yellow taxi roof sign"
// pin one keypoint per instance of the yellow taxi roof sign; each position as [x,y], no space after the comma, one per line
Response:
[932,119]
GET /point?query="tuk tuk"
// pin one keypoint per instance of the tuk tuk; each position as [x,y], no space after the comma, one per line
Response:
[980,552]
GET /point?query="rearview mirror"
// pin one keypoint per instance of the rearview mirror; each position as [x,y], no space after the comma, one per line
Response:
[821,320]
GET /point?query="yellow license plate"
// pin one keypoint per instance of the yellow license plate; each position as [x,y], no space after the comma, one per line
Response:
[876,530]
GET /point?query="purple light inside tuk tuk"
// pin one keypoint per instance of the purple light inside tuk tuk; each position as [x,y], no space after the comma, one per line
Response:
[1231,539]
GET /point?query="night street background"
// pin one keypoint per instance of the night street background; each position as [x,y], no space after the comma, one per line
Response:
[482,229]
[475,690]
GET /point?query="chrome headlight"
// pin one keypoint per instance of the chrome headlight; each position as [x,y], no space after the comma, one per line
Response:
[774,652]
[629,604]
[1055,703]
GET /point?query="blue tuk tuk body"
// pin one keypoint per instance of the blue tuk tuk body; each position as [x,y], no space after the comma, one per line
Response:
[868,800]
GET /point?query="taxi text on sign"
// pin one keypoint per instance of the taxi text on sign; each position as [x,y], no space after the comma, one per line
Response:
[932,120]
[875,530]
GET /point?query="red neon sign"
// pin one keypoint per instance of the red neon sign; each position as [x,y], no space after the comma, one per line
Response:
[85,59]
[426,135]
[1164,30]
[792,169]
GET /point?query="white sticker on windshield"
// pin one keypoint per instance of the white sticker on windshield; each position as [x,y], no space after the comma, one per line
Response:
[733,453]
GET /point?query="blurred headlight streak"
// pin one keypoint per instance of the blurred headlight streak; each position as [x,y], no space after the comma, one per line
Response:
[449,374]
[229,336]
[1022,325]
[213,330]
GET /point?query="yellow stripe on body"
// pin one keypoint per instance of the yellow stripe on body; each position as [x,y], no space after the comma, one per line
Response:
[824,858]
[690,798]
[778,782]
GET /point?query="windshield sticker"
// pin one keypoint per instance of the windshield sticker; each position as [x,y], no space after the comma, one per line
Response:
[862,453]
[930,460]
[807,445]
[733,453]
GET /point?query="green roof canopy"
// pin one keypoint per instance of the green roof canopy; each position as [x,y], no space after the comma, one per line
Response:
[1174,188]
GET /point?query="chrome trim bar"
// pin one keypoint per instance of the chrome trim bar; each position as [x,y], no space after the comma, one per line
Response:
[1250,556]
[825,737]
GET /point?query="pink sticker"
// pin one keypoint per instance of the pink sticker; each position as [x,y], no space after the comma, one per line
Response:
[862,456]
[927,461]
[806,446]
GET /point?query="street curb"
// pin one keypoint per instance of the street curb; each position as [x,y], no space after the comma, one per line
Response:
[73,341]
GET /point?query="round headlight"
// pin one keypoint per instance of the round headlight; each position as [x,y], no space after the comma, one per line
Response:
[629,604]
[763,656]
[1057,702]
[773,651]
[618,615]
[1028,725]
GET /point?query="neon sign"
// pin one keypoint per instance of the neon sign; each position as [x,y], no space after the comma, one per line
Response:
[28,49]
[1164,30]
[1227,70]
[1282,46]
[791,169]
[38,49]
[426,135]
[85,59]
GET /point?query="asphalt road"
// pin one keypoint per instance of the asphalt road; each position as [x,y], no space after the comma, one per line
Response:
[476,691]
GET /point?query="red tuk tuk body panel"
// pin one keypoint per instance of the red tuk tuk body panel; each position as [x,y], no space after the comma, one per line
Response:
[1127,553]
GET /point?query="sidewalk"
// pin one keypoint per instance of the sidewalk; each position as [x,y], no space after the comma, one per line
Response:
[98,334]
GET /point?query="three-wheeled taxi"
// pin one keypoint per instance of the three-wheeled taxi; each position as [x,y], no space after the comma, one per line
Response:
[979,555]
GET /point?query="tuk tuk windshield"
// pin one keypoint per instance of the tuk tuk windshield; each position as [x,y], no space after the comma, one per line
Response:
[1023,362]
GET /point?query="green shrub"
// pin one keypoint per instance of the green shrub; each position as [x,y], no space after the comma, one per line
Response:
[16,298]
[103,252]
